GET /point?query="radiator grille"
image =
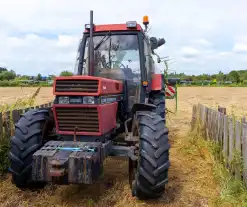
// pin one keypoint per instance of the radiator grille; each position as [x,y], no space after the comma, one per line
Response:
[84,119]
[90,86]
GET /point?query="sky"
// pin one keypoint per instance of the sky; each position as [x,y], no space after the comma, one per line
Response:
[42,36]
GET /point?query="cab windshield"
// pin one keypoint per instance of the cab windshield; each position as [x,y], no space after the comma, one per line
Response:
[115,56]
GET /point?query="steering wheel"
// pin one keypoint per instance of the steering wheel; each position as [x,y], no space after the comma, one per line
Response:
[116,61]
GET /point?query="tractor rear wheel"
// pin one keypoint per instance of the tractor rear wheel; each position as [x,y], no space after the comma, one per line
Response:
[152,166]
[26,140]
[158,99]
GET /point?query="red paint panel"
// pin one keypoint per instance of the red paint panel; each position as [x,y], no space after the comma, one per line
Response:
[156,82]
[106,117]
[109,86]
[105,86]
[114,27]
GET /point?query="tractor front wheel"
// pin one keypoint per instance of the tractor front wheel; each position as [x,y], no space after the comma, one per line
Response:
[153,163]
[26,140]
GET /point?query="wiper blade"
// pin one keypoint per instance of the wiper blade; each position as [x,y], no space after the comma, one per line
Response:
[102,40]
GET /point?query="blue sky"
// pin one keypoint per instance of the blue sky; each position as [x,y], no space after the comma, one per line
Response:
[201,36]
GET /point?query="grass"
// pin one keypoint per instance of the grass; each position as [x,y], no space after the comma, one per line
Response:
[232,191]
[21,103]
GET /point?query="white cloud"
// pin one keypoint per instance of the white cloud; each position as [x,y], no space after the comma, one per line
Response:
[67,40]
[240,48]
[189,52]
[225,54]
[188,59]
[203,42]
[194,31]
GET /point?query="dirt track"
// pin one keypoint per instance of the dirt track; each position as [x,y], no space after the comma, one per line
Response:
[190,179]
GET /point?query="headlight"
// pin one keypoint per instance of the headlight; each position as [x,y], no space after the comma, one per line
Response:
[63,100]
[88,100]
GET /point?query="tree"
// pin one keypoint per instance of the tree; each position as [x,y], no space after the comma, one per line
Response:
[7,75]
[51,77]
[66,73]
[24,77]
[220,77]
[245,76]
[39,77]
[3,69]
[233,76]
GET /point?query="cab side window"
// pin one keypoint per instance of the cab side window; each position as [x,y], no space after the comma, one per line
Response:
[149,63]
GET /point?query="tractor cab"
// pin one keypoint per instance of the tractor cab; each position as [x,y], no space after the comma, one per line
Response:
[121,52]
[116,55]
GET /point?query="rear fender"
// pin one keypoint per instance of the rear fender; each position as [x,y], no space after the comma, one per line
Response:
[158,82]
[139,107]
[142,107]
[128,123]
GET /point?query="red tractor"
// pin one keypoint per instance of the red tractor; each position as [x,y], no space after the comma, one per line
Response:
[113,106]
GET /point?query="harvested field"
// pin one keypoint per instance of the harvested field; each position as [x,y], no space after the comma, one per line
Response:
[10,94]
[191,180]
[210,96]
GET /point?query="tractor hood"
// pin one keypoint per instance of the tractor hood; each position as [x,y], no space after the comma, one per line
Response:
[86,85]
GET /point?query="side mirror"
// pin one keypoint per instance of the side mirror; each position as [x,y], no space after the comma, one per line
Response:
[156,43]
[161,42]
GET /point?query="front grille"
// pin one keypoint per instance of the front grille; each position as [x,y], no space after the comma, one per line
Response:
[90,86]
[84,119]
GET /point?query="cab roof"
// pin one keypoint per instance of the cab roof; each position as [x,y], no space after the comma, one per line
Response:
[114,27]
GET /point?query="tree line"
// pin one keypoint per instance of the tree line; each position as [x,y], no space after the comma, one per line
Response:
[8,75]
[235,76]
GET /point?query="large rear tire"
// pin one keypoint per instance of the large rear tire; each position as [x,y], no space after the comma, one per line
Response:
[158,99]
[153,164]
[26,140]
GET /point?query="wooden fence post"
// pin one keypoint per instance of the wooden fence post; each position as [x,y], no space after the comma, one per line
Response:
[238,149]
[15,119]
[225,142]
[1,126]
[209,124]
[194,117]
[222,110]
[15,116]
[215,128]
[206,123]
[244,120]
[222,115]
[7,124]
[244,150]
[231,143]
[219,140]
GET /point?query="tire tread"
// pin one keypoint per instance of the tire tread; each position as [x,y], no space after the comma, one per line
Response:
[26,140]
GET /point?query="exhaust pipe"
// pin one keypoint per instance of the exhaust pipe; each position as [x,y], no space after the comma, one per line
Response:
[91,47]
